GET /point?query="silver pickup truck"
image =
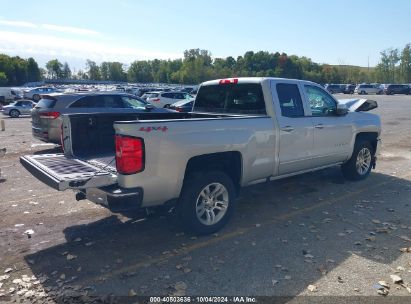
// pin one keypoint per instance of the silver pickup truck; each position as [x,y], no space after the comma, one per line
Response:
[242,131]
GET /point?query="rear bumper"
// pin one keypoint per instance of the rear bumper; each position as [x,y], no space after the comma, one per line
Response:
[115,198]
[40,134]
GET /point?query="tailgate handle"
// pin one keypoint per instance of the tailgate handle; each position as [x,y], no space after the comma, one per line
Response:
[78,183]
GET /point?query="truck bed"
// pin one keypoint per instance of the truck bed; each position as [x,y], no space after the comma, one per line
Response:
[91,136]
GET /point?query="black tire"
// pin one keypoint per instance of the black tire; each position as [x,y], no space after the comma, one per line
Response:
[167,106]
[14,113]
[363,93]
[190,197]
[350,170]
[36,97]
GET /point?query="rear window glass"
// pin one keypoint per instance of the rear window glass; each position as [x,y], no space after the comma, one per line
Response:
[244,98]
[46,103]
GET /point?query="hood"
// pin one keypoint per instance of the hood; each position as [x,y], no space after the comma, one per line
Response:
[359,104]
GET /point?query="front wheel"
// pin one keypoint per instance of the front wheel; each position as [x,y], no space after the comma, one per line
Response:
[36,97]
[167,106]
[360,164]
[207,202]
[14,113]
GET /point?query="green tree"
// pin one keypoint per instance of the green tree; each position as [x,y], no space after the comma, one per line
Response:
[140,71]
[93,70]
[113,71]
[405,64]
[33,71]
[116,72]
[66,71]
[54,69]
[3,78]
[104,71]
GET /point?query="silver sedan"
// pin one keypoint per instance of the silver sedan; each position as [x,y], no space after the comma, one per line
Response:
[19,107]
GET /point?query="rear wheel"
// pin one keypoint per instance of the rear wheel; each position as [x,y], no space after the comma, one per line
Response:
[36,97]
[167,106]
[360,164]
[14,113]
[207,202]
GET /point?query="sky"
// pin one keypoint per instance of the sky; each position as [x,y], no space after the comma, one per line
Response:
[350,32]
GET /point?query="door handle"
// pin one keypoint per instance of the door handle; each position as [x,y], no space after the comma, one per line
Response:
[287,129]
[319,126]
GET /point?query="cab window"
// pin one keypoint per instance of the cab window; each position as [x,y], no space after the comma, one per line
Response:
[290,100]
[321,103]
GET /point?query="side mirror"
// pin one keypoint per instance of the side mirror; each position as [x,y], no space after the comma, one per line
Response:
[341,110]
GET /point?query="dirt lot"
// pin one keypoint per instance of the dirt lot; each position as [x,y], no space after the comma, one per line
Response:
[316,229]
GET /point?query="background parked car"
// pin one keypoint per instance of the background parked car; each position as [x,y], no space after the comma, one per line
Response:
[46,115]
[367,89]
[185,105]
[35,93]
[19,107]
[166,99]
[335,88]
[349,88]
[392,89]
[7,94]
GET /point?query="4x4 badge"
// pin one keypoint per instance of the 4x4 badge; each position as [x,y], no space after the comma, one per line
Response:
[149,129]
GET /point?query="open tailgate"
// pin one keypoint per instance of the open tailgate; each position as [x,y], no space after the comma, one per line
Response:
[61,172]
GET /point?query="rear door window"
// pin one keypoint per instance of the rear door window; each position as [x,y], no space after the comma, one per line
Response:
[112,101]
[85,102]
[179,96]
[245,98]
[290,100]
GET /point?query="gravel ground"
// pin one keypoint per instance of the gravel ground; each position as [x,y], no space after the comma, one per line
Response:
[310,238]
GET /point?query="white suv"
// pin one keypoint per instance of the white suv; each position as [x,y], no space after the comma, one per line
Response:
[165,99]
[367,89]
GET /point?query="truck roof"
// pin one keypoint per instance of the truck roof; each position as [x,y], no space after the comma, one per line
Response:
[250,80]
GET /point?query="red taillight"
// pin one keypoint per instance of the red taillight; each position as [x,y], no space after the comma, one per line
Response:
[51,115]
[129,154]
[229,81]
[178,109]
[155,99]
